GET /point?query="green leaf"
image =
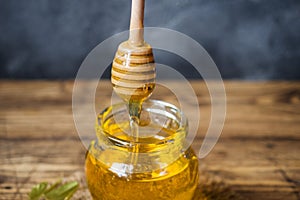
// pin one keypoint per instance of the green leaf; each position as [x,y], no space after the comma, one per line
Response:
[37,191]
[57,183]
[64,192]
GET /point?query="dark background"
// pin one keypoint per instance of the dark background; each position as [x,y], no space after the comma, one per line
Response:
[248,39]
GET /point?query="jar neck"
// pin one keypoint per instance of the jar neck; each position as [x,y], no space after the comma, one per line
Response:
[163,131]
[125,158]
[170,144]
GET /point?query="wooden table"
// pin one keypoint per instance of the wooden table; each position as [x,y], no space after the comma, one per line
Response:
[257,156]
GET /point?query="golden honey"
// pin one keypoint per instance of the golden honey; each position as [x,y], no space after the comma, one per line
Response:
[162,167]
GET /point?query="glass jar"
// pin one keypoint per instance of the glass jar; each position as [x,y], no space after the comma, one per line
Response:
[155,166]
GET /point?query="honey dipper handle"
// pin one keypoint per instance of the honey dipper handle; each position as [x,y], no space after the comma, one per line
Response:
[136,35]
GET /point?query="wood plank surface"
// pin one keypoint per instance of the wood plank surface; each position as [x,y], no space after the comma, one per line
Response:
[257,156]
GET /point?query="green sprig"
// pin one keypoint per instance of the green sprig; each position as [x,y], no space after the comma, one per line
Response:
[57,191]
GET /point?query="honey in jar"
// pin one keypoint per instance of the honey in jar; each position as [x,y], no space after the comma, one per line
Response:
[156,166]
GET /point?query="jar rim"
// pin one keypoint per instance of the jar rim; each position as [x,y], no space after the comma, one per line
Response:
[179,133]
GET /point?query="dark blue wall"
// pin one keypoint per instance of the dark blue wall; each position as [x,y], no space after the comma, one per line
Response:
[248,39]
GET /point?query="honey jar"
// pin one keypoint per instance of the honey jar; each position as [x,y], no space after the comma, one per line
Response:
[154,166]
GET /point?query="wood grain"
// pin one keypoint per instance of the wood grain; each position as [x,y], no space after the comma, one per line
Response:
[257,154]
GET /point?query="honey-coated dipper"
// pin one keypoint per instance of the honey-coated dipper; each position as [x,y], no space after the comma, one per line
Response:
[133,68]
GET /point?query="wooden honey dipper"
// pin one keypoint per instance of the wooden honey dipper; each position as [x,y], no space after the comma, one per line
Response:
[133,68]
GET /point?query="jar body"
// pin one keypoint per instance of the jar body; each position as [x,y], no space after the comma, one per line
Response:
[153,170]
[177,181]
